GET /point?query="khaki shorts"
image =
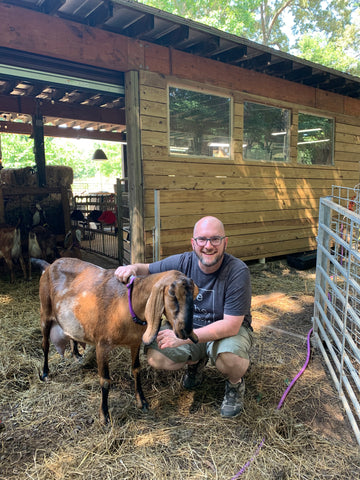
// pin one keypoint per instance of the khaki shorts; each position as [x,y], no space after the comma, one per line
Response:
[239,344]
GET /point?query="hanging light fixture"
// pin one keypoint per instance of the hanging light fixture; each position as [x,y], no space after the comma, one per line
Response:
[99,154]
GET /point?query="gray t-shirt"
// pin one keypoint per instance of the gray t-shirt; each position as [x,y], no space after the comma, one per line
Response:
[226,291]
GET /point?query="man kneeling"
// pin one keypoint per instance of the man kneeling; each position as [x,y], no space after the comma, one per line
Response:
[222,319]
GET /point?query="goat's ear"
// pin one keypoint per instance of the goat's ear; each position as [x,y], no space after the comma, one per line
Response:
[67,240]
[153,311]
[196,291]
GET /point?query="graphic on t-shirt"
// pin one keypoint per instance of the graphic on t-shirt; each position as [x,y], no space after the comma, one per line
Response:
[204,307]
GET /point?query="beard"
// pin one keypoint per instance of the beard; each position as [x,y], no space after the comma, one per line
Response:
[213,260]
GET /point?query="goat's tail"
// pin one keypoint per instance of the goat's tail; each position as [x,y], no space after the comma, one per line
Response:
[38,262]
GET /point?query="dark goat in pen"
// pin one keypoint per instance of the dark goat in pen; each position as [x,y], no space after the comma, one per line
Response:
[72,245]
[10,248]
[42,244]
[87,304]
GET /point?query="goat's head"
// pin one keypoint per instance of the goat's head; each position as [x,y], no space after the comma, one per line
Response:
[173,295]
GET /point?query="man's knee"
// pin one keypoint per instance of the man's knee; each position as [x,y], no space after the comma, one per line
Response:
[229,363]
[160,361]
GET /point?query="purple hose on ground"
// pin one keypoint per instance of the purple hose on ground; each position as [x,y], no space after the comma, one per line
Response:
[247,464]
[300,373]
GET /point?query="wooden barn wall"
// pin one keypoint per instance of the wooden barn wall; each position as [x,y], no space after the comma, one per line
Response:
[268,208]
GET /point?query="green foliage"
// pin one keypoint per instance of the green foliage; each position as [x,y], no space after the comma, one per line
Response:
[17,151]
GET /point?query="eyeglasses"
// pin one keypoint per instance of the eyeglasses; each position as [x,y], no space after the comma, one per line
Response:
[202,241]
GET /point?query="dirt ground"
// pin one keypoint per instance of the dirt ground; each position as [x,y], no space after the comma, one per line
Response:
[51,431]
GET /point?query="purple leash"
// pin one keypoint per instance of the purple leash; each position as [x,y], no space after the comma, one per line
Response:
[261,444]
[132,313]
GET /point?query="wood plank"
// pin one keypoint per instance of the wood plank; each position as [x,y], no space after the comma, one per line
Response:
[249,252]
[209,168]
[153,109]
[220,195]
[156,124]
[333,102]
[152,79]
[183,235]
[347,129]
[23,104]
[236,206]
[134,167]
[103,49]
[351,138]
[347,119]
[153,94]
[2,207]
[347,147]
[197,183]
[248,240]
[151,152]
[154,138]
[233,218]
[208,71]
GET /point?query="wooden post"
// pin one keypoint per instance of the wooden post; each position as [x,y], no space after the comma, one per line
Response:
[2,207]
[66,208]
[120,215]
[39,149]
[134,164]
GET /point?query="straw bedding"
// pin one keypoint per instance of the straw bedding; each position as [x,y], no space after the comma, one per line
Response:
[51,430]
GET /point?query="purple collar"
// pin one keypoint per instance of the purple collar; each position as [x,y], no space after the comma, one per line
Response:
[132,313]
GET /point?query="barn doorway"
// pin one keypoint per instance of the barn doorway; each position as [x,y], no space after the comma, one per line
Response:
[72,101]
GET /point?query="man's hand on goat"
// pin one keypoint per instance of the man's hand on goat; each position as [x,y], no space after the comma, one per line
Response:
[168,339]
[123,273]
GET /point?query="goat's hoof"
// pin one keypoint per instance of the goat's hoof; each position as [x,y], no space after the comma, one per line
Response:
[105,420]
[44,377]
[145,408]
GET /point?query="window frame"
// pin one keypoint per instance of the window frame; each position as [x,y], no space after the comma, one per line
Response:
[204,91]
[319,115]
[288,160]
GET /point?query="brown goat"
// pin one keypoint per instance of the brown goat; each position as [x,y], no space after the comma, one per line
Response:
[41,244]
[72,246]
[91,306]
[10,249]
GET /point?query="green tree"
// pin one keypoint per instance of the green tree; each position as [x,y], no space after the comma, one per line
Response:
[18,151]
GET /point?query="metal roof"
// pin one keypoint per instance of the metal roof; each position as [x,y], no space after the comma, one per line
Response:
[139,21]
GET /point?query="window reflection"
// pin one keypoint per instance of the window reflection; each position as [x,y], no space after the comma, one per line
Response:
[199,123]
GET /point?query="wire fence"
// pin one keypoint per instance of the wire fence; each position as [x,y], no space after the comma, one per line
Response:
[337,295]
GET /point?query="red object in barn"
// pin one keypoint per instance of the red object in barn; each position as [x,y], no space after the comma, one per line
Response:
[107,217]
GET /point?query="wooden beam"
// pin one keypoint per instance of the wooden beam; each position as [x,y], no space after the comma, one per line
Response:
[27,105]
[26,129]
[136,191]
[63,39]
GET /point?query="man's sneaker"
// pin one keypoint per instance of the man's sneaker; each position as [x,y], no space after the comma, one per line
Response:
[194,375]
[233,402]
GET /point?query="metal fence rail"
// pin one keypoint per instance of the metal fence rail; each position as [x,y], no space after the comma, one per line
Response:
[110,240]
[337,296]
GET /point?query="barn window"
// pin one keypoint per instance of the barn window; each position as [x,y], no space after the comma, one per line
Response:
[315,144]
[266,132]
[199,123]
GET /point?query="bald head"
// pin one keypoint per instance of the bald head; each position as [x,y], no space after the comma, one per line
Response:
[209,223]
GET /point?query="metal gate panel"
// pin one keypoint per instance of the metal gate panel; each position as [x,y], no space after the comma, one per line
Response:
[336,317]
[109,240]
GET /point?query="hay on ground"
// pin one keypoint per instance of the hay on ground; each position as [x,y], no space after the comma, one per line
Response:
[51,430]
